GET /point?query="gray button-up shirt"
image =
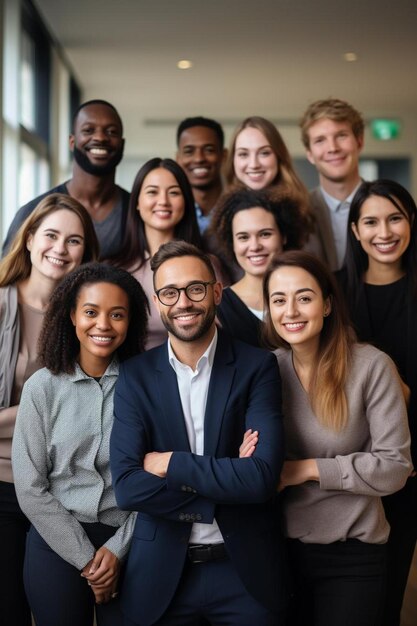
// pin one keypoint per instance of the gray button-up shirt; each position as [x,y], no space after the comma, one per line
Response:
[60,459]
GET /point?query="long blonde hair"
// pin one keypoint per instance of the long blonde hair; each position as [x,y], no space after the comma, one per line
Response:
[327,386]
[286,180]
[16,265]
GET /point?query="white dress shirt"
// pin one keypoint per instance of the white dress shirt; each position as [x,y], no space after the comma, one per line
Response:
[193,387]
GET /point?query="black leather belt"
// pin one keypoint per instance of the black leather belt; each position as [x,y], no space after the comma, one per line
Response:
[202,553]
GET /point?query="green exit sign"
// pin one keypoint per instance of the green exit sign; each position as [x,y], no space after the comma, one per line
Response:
[384,130]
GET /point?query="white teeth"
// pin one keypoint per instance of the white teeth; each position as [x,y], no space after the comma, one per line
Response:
[295,326]
[200,171]
[54,261]
[162,213]
[98,151]
[257,259]
[185,317]
[101,339]
[386,246]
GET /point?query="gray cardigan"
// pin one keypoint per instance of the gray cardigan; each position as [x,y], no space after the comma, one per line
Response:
[370,458]
[9,341]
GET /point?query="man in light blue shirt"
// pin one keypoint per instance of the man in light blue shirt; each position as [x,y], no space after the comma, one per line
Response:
[332,132]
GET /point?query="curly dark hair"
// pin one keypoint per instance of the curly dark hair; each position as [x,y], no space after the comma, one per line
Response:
[286,210]
[59,347]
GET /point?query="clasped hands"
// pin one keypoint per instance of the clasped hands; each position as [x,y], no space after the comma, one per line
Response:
[102,574]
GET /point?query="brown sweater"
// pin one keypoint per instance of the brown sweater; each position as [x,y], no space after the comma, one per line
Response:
[370,458]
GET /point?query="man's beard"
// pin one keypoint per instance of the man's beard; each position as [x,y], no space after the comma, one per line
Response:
[198,332]
[97,170]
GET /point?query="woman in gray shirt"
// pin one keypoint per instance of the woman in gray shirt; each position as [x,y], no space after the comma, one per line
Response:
[347,444]
[61,448]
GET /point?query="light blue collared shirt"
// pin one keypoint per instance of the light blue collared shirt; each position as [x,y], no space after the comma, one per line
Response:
[339,214]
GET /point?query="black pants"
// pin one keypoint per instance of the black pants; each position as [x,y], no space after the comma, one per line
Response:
[14,608]
[57,593]
[401,513]
[338,584]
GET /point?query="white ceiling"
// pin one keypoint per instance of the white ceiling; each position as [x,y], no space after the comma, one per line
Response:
[266,57]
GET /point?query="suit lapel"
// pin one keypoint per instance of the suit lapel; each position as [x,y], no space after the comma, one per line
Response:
[324,228]
[221,380]
[170,401]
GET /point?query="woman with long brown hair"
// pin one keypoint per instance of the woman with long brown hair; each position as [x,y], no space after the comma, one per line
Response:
[347,444]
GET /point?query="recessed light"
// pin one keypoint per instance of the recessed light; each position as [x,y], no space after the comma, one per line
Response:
[350,56]
[184,64]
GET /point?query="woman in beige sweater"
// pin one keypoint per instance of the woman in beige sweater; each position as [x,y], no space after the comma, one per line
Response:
[347,444]
[54,240]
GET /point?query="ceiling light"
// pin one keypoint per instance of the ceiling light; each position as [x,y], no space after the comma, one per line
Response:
[184,64]
[350,56]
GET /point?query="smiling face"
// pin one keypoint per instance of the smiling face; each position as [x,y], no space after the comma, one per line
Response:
[254,160]
[101,320]
[201,156]
[57,246]
[97,142]
[187,320]
[334,150]
[256,239]
[160,201]
[383,231]
[297,307]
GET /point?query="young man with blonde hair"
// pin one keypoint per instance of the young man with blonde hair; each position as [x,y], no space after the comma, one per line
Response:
[332,132]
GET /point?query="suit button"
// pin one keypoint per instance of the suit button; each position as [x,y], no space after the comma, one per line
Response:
[187,517]
[181,517]
[194,490]
[198,517]
[184,488]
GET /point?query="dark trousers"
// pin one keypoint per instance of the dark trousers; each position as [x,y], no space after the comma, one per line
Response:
[339,584]
[14,608]
[212,593]
[57,594]
[401,513]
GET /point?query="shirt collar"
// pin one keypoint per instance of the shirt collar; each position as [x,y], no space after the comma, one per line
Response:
[79,374]
[334,203]
[207,357]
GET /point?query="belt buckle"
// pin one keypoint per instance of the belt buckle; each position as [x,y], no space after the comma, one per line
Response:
[191,549]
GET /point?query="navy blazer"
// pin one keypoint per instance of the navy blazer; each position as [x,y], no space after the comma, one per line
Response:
[244,392]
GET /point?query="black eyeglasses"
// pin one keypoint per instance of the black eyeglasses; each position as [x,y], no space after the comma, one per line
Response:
[194,292]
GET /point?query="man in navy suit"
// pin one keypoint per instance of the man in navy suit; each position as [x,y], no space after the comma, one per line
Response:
[206,543]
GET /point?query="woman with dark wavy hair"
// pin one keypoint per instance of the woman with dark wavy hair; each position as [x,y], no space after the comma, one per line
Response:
[78,538]
[380,284]
[251,227]
[56,237]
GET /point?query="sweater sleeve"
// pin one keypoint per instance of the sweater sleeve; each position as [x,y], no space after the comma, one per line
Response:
[384,468]
[119,543]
